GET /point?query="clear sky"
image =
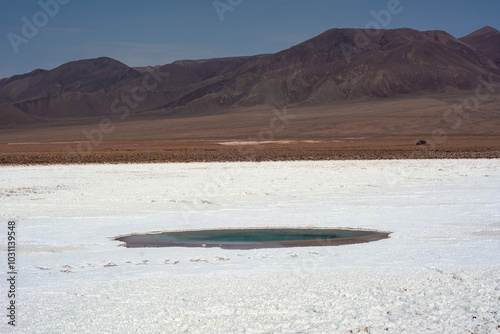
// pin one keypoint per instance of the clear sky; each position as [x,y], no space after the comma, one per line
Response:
[153,32]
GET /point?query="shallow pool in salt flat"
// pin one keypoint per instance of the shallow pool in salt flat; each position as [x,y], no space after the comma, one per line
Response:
[444,215]
[252,238]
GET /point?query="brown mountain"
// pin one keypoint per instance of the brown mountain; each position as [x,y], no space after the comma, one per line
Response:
[337,65]
[340,64]
[76,89]
[99,75]
[485,41]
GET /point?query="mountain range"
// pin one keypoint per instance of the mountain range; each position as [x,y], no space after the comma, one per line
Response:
[338,65]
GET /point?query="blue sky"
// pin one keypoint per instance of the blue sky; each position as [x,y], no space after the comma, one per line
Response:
[152,32]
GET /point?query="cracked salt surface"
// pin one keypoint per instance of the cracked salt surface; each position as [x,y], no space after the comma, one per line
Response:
[439,272]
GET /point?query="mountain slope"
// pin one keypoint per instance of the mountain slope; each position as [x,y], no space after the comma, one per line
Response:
[486,41]
[337,65]
[386,64]
[84,76]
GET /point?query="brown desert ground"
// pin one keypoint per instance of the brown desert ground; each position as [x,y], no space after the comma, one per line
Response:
[359,129]
[205,151]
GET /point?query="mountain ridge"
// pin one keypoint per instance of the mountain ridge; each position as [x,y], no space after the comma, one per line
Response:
[338,64]
[487,41]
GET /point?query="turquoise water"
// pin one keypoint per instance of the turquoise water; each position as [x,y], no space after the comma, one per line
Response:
[256,235]
[249,238]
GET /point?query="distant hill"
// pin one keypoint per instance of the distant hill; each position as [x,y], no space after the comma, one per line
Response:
[340,64]
[485,41]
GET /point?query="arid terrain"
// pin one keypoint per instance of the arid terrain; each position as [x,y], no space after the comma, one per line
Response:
[361,129]
[250,166]
[313,101]
[198,151]
[381,129]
